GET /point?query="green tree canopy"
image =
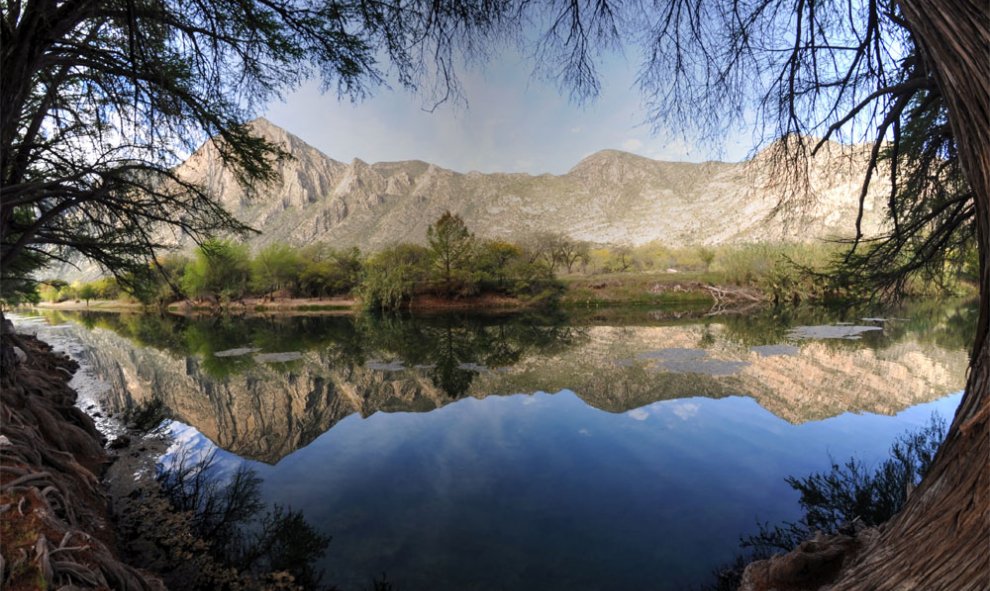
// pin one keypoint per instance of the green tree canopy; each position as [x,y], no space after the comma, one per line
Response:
[276,266]
[392,274]
[452,245]
[220,270]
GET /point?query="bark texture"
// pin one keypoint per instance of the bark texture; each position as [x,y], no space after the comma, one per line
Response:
[941,540]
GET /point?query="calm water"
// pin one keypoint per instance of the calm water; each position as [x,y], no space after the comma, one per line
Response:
[531,452]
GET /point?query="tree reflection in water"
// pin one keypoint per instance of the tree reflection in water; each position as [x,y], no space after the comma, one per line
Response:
[846,498]
[234,541]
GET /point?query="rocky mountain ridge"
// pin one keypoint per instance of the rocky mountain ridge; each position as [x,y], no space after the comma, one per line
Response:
[608,197]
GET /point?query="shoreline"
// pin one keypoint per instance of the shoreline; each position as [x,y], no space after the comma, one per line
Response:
[578,296]
[57,525]
[81,512]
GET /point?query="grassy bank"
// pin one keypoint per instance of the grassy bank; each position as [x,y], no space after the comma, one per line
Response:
[638,289]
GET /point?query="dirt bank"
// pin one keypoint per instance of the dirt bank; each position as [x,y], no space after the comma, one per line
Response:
[53,510]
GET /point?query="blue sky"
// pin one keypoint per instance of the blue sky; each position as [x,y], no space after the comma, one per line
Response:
[511,122]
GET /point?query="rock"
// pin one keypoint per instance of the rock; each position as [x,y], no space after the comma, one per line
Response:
[20,355]
[809,566]
[120,442]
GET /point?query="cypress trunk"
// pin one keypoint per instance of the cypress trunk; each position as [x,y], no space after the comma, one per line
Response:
[941,539]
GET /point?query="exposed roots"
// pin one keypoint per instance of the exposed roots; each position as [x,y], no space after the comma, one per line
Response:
[50,453]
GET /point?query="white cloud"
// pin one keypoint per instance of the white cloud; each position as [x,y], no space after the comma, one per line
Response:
[685,410]
[640,414]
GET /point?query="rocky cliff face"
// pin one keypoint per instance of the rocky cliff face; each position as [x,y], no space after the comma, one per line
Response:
[610,196]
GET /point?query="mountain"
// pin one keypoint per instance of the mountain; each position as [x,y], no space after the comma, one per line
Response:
[608,197]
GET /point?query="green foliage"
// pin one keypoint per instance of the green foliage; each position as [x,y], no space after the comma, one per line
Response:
[328,272]
[276,266]
[492,260]
[220,271]
[157,283]
[47,293]
[556,250]
[392,275]
[67,292]
[452,248]
[707,257]
[782,271]
[86,292]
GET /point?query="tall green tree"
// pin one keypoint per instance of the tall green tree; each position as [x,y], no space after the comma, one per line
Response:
[452,245]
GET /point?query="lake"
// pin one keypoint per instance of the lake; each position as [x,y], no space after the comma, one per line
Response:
[591,451]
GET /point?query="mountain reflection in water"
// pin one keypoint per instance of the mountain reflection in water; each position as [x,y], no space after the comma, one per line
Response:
[406,439]
[262,387]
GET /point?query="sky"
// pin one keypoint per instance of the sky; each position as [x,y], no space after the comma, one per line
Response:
[510,121]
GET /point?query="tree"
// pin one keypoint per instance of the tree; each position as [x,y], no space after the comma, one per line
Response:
[100,99]
[328,271]
[158,282]
[620,258]
[452,245]
[275,267]
[220,271]
[492,259]
[392,275]
[86,291]
[569,251]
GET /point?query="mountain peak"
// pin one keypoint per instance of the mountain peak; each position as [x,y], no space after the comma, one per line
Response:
[609,158]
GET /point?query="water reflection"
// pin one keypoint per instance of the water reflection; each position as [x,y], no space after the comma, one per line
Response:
[262,387]
[407,439]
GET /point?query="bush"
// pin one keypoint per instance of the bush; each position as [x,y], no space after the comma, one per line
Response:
[391,276]
[276,267]
[220,270]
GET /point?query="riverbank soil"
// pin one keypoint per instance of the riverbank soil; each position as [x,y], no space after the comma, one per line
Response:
[53,511]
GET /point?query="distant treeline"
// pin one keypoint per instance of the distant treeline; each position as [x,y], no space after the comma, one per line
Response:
[457,264]
[454,264]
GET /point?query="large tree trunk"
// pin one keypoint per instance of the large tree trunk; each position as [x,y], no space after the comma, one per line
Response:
[941,540]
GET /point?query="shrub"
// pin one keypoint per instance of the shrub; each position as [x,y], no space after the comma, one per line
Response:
[391,276]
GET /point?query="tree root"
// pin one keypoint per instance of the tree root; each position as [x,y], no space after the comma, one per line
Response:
[49,452]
